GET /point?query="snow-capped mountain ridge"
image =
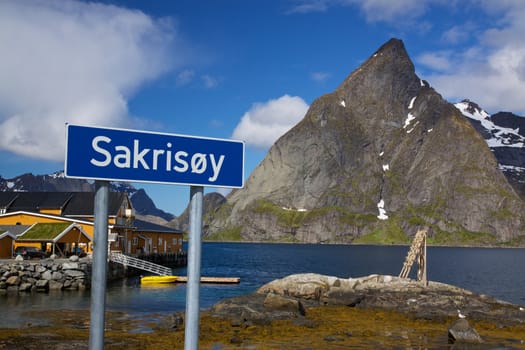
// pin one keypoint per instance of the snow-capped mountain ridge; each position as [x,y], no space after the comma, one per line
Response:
[507,142]
[500,136]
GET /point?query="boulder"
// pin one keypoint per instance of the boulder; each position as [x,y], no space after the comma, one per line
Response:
[461,332]
[70,266]
[25,287]
[42,285]
[74,273]
[305,286]
[57,276]
[40,269]
[280,303]
[13,281]
[73,258]
[12,289]
[47,275]
[257,309]
[55,285]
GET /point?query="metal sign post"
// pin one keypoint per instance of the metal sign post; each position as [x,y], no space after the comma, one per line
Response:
[98,274]
[191,331]
[109,154]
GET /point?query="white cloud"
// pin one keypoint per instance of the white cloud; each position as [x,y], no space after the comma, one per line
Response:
[209,81]
[307,6]
[374,10]
[492,71]
[320,76]
[185,77]
[265,122]
[458,34]
[435,60]
[72,61]
[390,11]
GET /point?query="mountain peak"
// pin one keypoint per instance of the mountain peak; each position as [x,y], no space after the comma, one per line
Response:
[381,155]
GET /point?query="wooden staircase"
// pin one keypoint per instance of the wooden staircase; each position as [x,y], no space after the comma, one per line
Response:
[418,251]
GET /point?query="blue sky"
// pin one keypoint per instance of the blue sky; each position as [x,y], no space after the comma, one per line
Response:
[229,69]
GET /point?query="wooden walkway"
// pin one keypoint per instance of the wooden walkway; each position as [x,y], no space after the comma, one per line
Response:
[216,280]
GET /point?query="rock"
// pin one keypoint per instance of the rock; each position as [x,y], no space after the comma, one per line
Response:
[55,285]
[47,275]
[68,284]
[19,258]
[342,296]
[53,256]
[13,281]
[74,273]
[249,309]
[70,266]
[25,287]
[57,276]
[280,303]
[305,286]
[461,332]
[42,285]
[40,269]
[73,258]
[175,321]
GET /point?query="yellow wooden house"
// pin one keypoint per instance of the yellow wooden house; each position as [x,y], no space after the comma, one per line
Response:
[61,221]
[7,239]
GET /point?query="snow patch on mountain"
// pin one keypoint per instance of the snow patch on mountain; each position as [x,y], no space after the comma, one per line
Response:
[500,136]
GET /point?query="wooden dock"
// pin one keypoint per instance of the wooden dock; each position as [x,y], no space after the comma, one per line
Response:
[216,280]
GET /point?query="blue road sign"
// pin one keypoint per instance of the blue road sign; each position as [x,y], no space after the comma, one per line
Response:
[140,156]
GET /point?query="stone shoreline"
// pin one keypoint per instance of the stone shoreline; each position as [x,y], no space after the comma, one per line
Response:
[46,275]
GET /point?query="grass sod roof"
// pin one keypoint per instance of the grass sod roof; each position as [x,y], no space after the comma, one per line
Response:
[45,232]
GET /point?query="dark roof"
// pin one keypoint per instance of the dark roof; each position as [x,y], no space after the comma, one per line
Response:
[70,203]
[148,226]
[15,229]
[83,203]
[6,198]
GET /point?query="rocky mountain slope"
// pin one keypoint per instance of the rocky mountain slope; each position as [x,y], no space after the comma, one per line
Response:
[57,182]
[381,156]
[211,202]
[504,133]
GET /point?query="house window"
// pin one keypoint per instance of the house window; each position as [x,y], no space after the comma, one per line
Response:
[2,210]
[135,241]
[174,241]
[160,241]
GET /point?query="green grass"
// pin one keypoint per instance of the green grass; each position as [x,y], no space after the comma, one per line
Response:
[230,233]
[386,232]
[44,231]
[462,237]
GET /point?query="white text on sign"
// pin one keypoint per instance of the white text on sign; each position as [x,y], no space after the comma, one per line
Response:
[151,159]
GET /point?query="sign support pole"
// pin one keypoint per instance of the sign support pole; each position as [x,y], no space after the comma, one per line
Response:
[98,274]
[191,331]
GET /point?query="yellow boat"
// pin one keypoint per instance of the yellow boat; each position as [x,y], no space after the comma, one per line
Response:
[158,279]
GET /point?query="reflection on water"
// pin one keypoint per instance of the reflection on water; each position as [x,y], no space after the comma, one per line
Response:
[497,272]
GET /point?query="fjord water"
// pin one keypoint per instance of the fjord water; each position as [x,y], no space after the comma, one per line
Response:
[497,272]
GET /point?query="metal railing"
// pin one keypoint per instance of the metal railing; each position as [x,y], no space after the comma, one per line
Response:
[127,260]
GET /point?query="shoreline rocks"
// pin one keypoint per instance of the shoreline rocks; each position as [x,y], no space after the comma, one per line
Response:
[427,302]
[45,275]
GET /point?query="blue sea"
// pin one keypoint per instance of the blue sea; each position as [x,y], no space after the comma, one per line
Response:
[493,271]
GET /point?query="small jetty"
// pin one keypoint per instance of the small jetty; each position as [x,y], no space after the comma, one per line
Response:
[183,279]
[216,280]
[164,273]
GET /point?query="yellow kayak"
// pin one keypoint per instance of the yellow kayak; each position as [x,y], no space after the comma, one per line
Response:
[158,279]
